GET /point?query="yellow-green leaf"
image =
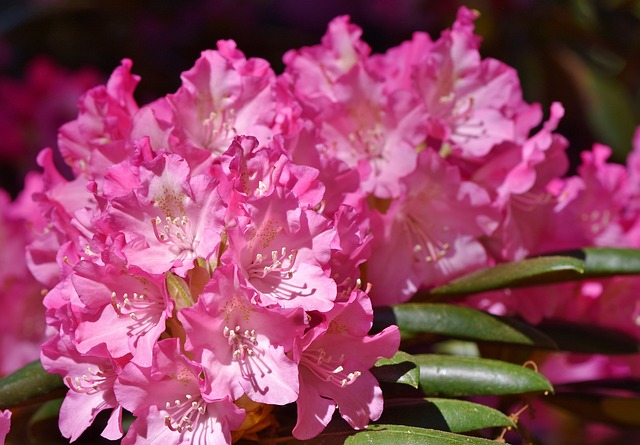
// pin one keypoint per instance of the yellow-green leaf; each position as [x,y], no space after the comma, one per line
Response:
[531,271]
[401,368]
[29,384]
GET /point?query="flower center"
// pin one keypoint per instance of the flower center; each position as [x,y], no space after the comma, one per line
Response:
[174,232]
[139,308]
[242,342]
[280,264]
[183,414]
[427,247]
[247,353]
[219,127]
[95,381]
[327,368]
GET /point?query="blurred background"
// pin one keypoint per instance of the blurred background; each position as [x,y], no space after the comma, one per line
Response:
[583,53]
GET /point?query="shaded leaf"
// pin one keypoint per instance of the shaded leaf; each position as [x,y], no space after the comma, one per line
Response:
[457,416]
[528,272]
[30,384]
[588,338]
[630,385]
[42,427]
[461,322]
[401,368]
[47,411]
[453,376]
[621,411]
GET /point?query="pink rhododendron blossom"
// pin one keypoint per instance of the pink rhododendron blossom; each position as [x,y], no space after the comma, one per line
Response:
[438,220]
[170,219]
[22,328]
[284,252]
[242,346]
[375,133]
[5,424]
[125,310]
[90,378]
[595,202]
[334,367]
[168,404]
[99,136]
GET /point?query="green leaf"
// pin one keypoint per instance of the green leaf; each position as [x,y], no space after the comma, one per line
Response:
[389,435]
[600,262]
[588,338]
[47,411]
[457,416]
[401,368]
[29,384]
[462,322]
[42,427]
[528,272]
[453,376]
[406,435]
[591,262]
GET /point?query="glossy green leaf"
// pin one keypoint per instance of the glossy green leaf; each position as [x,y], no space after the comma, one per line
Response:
[384,434]
[406,435]
[563,266]
[457,416]
[461,322]
[588,338]
[609,261]
[451,376]
[532,271]
[29,384]
[401,368]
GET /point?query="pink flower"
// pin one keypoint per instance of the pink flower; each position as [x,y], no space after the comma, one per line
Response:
[90,378]
[283,253]
[280,243]
[222,96]
[472,104]
[99,136]
[125,310]
[334,362]
[519,178]
[171,219]
[168,404]
[592,207]
[431,234]
[242,346]
[376,133]
[22,328]
[316,69]
[5,424]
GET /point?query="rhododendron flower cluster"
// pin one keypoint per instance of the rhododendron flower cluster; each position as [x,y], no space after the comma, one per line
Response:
[219,251]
